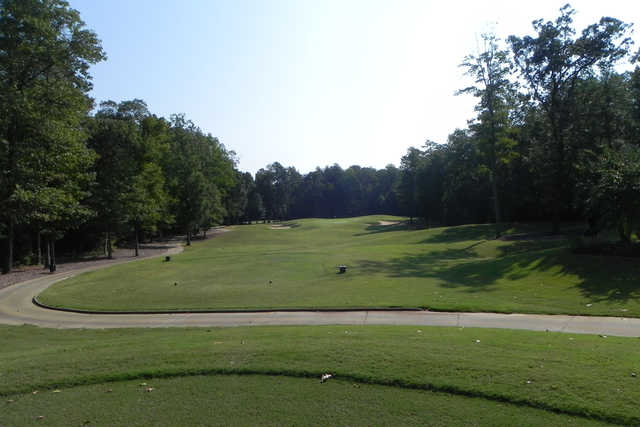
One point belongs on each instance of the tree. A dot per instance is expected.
(277, 186)
(200, 172)
(408, 184)
(238, 198)
(615, 197)
(431, 182)
(466, 188)
(386, 199)
(145, 201)
(255, 209)
(551, 64)
(490, 70)
(115, 139)
(45, 54)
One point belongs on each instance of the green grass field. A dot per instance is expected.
(267, 401)
(456, 268)
(270, 375)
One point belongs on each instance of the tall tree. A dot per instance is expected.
(552, 63)
(490, 70)
(115, 139)
(45, 54)
(199, 174)
(408, 185)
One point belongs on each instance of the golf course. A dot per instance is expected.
(380, 375)
(319, 213)
(293, 265)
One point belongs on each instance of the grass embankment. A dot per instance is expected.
(266, 401)
(578, 375)
(456, 268)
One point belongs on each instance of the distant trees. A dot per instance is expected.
(281, 193)
(560, 148)
(556, 136)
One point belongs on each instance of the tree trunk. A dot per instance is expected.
(137, 242)
(109, 247)
(205, 234)
(496, 206)
(12, 139)
(9, 260)
(188, 238)
(555, 225)
(39, 243)
(52, 265)
(559, 176)
(47, 261)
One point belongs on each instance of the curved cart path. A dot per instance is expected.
(17, 308)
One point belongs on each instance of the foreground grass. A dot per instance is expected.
(455, 268)
(259, 400)
(579, 375)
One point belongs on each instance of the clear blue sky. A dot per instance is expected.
(309, 82)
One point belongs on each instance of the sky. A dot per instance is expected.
(310, 83)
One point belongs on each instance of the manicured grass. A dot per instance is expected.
(266, 401)
(456, 268)
(579, 375)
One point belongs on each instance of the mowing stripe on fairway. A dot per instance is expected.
(446, 390)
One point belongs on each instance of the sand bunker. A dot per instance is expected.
(388, 222)
(279, 227)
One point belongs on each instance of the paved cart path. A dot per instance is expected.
(17, 308)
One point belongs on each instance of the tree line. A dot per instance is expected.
(80, 178)
(555, 138)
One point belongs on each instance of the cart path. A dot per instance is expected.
(17, 308)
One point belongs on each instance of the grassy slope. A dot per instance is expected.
(273, 401)
(576, 374)
(457, 268)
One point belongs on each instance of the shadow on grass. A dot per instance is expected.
(600, 279)
(463, 233)
(290, 224)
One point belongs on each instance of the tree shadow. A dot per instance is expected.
(600, 279)
(463, 233)
(604, 278)
(290, 224)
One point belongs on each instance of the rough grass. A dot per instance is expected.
(578, 375)
(265, 401)
(456, 268)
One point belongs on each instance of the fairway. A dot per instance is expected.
(293, 266)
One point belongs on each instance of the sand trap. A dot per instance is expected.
(388, 222)
(279, 227)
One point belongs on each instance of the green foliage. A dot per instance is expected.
(46, 54)
(491, 71)
(552, 64)
(200, 173)
(615, 197)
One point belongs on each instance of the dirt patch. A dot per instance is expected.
(279, 227)
(388, 222)
(22, 274)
